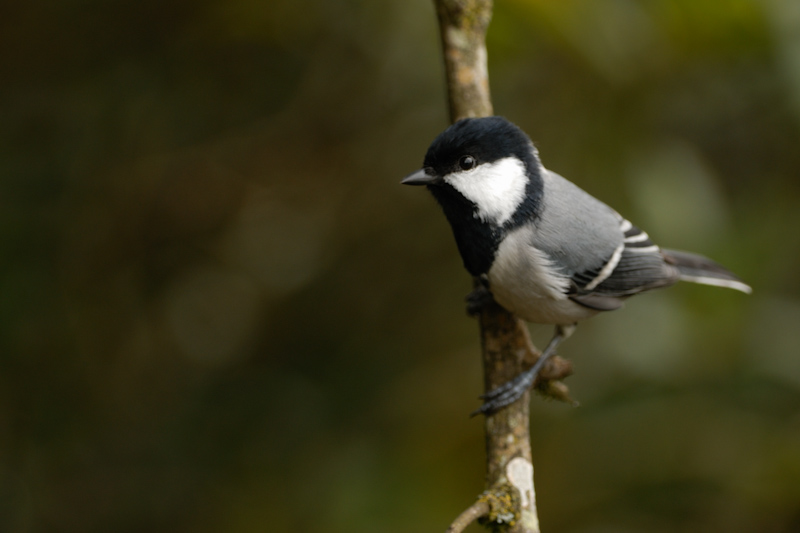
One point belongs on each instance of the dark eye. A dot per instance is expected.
(466, 162)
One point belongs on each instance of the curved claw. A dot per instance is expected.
(479, 298)
(499, 390)
(515, 386)
(507, 393)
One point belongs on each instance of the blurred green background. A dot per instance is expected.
(222, 313)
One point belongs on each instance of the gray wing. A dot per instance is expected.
(576, 230)
(606, 257)
(638, 266)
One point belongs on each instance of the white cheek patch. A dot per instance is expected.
(497, 188)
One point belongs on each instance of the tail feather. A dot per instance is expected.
(699, 269)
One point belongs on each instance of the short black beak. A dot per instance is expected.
(421, 177)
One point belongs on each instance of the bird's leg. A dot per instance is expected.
(512, 390)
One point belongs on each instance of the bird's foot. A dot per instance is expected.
(479, 298)
(507, 393)
(512, 390)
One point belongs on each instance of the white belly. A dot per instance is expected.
(540, 310)
(523, 281)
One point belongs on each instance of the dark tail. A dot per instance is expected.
(699, 269)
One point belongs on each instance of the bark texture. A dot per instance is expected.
(505, 341)
(463, 25)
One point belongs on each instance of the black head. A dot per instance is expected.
(484, 140)
(486, 175)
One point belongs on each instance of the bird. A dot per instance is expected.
(547, 251)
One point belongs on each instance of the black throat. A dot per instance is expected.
(476, 239)
(486, 140)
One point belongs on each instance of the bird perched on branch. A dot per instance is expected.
(548, 251)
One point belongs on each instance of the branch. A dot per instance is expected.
(463, 25)
(506, 344)
(477, 510)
